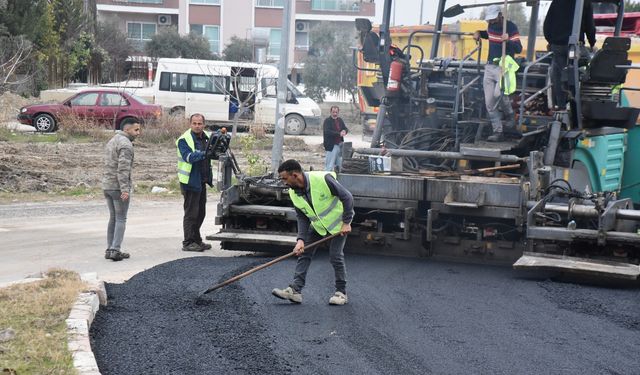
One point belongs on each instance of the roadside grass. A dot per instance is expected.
(36, 312)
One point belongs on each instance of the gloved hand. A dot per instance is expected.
(197, 155)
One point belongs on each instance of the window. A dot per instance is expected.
(207, 84)
(269, 88)
(85, 99)
(270, 3)
(112, 100)
(302, 40)
(173, 82)
(274, 42)
(206, 2)
(211, 33)
(140, 31)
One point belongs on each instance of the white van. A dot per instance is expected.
(207, 86)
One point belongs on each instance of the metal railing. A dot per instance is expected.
(523, 102)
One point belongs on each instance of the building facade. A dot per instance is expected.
(259, 21)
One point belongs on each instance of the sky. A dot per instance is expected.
(407, 12)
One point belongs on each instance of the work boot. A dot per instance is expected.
(205, 246)
(194, 246)
(496, 137)
(288, 293)
(116, 255)
(338, 298)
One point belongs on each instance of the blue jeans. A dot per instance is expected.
(117, 218)
(334, 159)
(336, 254)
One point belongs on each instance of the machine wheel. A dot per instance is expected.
(45, 123)
(294, 124)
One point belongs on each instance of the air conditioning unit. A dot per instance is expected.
(302, 26)
(164, 19)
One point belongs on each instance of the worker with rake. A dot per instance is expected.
(324, 208)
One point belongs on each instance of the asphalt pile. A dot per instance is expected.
(158, 322)
(404, 316)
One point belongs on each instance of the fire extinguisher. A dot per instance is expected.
(395, 76)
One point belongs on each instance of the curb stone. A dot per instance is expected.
(78, 323)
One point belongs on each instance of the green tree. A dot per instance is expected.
(631, 6)
(70, 20)
(32, 21)
(168, 43)
(117, 48)
(238, 50)
(328, 67)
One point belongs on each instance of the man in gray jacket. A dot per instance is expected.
(116, 184)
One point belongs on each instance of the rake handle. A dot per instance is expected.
(270, 263)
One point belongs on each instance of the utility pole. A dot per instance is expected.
(421, 9)
(283, 66)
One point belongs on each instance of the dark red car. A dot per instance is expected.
(111, 108)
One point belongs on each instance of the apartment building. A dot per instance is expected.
(259, 21)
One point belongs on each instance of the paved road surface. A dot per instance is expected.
(405, 316)
(37, 236)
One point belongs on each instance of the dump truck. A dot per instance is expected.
(563, 197)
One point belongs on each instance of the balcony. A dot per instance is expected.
(336, 5)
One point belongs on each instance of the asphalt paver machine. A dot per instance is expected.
(559, 195)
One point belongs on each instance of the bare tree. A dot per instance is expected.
(15, 54)
(241, 89)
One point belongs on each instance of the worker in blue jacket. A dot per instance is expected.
(194, 173)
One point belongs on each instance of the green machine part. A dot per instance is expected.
(604, 159)
(631, 178)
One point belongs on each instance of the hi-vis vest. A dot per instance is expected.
(510, 69)
(184, 168)
(326, 214)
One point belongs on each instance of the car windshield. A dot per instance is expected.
(295, 90)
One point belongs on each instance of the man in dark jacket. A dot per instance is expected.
(496, 102)
(333, 131)
(194, 172)
(558, 25)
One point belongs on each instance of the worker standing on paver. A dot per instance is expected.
(117, 187)
(497, 103)
(323, 207)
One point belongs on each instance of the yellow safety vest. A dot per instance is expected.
(326, 214)
(184, 168)
(510, 69)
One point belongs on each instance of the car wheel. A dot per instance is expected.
(294, 124)
(44, 123)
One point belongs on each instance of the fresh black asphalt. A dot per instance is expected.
(404, 316)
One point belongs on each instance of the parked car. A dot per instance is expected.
(109, 108)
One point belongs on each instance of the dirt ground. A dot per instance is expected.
(70, 168)
(63, 167)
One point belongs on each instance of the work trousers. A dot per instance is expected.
(195, 204)
(336, 255)
(558, 63)
(333, 161)
(117, 218)
(497, 103)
